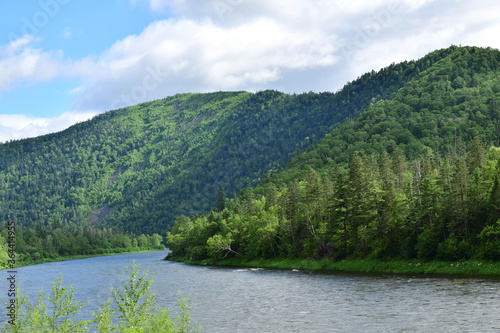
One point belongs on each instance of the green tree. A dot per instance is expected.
(271, 197)
(399, 167)
(357, 187)
(460, 223)
(476, 157)
(221, 200)
(340, 208)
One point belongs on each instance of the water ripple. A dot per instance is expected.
(260, 300)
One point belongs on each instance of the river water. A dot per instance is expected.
(261, 300)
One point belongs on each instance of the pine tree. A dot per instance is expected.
(459, 199)
(221, 200)
(428, 161)
(292, 226)
(271, 197)
(476, 157)
(250, 202)
(326, 200)
(312, 193)
(340, 208)
(388, 184)
(374, 200)
(293, 201)
(430, 206)
(494, 203)
(477, 201)
(356, 198)
(400, 168)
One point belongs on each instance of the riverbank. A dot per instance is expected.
(77, 256)
(473, 268)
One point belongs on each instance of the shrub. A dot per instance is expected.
(137, 311)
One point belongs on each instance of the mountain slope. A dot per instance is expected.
(138, 168)
(453, 100)
(355, 194)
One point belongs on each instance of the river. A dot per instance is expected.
(261, 300)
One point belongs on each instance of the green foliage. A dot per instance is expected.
(427, 244)
(140, 167)
(132, 298)
(439, 211)
(408, 178)
(51, 313)
(404, 171)
(426, 113)
(4, 254)
(137, 311)
(221, 200)
(38, 244)
(490, 241)
(392, 266)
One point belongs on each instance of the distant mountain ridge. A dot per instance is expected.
(138, 168)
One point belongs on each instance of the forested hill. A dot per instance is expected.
(138, 168)
(417, 175)
(449, 103)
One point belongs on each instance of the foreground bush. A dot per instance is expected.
(133, 309)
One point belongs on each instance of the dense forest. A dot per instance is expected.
(138, 168)
(400, 162)
(417, 175)
(36, 243)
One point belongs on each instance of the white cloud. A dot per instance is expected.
(295, 12)
(21, 126)
(158, 4)
(19, 60)
(413, 29)
(254, 45)
(289, 45)
(189, 55)
(260, 44)
(67, 33)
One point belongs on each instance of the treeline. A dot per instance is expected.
(436, 207)
(36, 243)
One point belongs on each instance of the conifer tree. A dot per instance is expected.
(340, 208)
(374, 200)
(271, 197)
(357, 194)
(221, 200)
(250, 202)
(312, 193)
(399, 167)
(388, 184)
(476, 157)
(429, 207)
(459, 198)
(494, 201)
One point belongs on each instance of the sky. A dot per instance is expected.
(65, 61)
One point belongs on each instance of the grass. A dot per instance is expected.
(476, 268)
